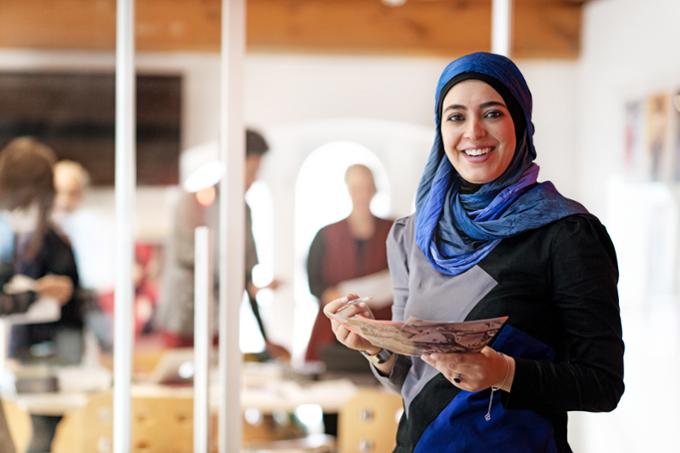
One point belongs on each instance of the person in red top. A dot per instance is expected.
(351, 248)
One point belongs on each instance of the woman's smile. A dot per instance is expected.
(477, 154)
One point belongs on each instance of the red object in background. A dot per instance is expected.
(145, 275)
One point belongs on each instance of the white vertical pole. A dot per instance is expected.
(4, 341)
(202, 337)
(501, 34)
(125, 188)
(232, 223)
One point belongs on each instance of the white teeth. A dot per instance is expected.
(476, 151)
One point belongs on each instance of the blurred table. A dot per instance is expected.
(264, 387)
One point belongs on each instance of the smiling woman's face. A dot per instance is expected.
(477, 131)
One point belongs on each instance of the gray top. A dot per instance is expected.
(176, 298)
(422, 292)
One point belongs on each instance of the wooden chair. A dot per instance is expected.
(164, 424)
(19, 424)
(267, 434)
(159, 425)
(368, 422)
(312, 443)
(143, 361)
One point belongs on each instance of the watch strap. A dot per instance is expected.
(379, 358)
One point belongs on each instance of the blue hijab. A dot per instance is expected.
(454, 230)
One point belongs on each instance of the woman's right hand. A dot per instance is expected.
(342, 333)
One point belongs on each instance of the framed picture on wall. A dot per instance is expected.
(634, 155)
(657, 119)
(675, 134)
(74, 113)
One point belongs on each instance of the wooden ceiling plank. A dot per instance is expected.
(367, 26)
(547, 29)
(70, 24)
(542, 28)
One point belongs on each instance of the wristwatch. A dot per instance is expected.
(378, 358)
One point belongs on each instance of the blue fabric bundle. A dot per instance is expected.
(455, 231)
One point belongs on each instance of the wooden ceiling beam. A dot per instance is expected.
(542, 28)
(547, 29)
(418, 27)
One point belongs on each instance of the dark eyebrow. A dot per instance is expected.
(483, 105)
(492, 104)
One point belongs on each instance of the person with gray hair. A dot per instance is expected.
(85, 228)
(70, 181)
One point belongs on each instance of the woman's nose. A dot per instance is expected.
(474, 129)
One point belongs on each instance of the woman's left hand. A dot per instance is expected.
(471, 371)
(59, 287)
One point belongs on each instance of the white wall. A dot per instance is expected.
(630, 50)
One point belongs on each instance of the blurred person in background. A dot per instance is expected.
(344, 253)
(176, 309)
(37, 249)
(85, 229)
(256, 148)
(70, 182)
(89, 236)
(31, 247)
(346, 250)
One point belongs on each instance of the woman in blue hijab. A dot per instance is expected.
(488, 240)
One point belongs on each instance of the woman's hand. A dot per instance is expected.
(253, 289)
(329, 295)
(474, 371)
(342, 333)
(275, 284)
(59, 287)
(277, 351)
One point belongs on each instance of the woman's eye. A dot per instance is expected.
(455, 117)
(493, 114)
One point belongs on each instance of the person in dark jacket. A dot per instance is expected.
(35, 248)
(36, 261)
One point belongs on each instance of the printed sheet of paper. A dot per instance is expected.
(45, 309)
(415, 337)
(18, 284)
